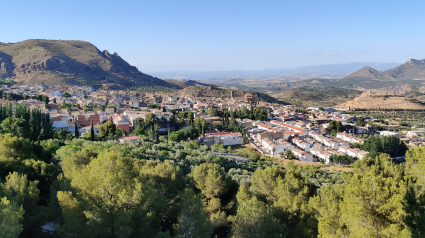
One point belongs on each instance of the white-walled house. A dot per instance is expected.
(343, 149)
(60, 121)
(362, 154)
(353, 152)
(411, 134)
(315, 151)
(390, 133)
(324, 156)
(330, 143)
(233, 139)
(274, 149)
(226, 138)
(301, 144)
(285, 144)
(302, 155)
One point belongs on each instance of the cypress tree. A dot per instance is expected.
(9, 111)
(36, 123)
(47, 131)
(169, 131)
(92, 132)
(77, 133)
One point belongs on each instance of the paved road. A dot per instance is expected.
(237, 158)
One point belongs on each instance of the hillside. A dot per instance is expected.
(317, 96)
(199, 90)
(184, 84)
(375, 101)
(204, 91)
(367, 72)
(57, 62)
(413, 69)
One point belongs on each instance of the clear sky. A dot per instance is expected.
(203, 35)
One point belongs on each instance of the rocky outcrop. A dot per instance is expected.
(6, 65)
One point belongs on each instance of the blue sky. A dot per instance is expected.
(227, 35)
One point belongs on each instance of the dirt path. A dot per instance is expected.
(237, 158)
(322, 166)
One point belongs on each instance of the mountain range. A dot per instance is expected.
(311, 71)
(58, 62)
(412, 69)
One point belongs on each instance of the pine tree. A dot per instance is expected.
(107, 129)
(125, 210)
(10, 215)
(193, 220)
(25, 193)
(254, 219)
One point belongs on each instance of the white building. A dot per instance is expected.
(390, 133)
(60, 121)
(225, 138)
(302, 155)
(324, 156)
(129, 139)
(410, 134)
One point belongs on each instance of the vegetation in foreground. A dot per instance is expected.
(181, 189)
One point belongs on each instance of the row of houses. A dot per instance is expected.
(349, 138)
(305, 140)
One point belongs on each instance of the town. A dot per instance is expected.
(201, 119)
(278, 130)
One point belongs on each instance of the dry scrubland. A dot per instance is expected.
(367, 100)
(58, 62)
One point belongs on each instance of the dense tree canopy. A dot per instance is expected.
(374, 202)
(260, 114)
(107, 129)
(154, 188)
(10, 216)
(335, 127)
(360, 121)
(385, 144)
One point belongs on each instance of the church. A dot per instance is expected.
(249, 98)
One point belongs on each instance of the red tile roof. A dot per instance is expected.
(267, 127)
(287, 125)
(291, 133)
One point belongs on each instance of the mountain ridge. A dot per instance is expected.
(411, 69)
(57, 62)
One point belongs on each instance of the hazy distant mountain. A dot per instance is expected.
(413, 69)
(57, 62)
(329, 70)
